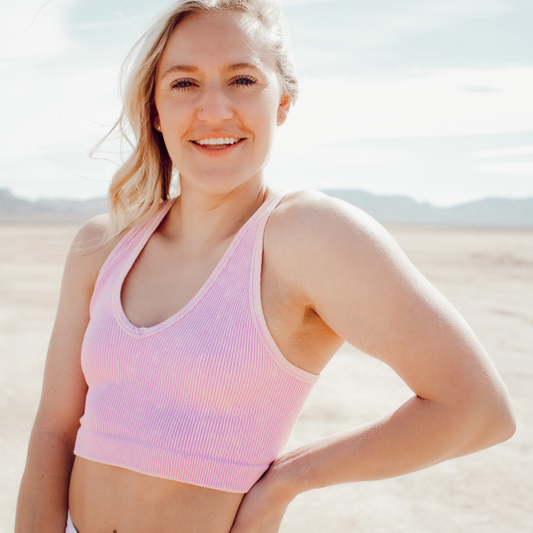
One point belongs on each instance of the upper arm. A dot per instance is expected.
(358, 280)
(64, 389)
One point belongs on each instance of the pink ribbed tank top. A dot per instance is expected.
(205, 397)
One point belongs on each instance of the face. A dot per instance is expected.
(218, 101)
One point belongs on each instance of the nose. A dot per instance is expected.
(215, 106)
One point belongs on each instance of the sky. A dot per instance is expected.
(427, 98)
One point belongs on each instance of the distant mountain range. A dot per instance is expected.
(490, 212)
(13, 209)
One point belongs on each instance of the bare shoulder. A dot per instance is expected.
(316, 213)
(90, 249)
(91, 236)
(342, 263)
(310, 226)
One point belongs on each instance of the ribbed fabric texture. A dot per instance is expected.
(205, 397)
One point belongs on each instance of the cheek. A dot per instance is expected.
(169, 105)
(266, 110)
(172, 111)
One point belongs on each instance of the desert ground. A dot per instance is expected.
(487, 275)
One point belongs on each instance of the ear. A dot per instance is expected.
(156, 122)
(283, 109)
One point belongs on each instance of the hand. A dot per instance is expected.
(263, 507)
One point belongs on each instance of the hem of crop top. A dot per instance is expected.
(184, 468)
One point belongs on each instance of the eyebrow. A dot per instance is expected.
(191, 68)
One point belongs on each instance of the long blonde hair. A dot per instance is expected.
(144, 179)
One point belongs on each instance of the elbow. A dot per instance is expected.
(497, 423)
(483, 419)
(504, 420)
(505, 426)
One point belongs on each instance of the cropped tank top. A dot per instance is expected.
(205, 397)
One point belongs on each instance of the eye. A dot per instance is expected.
(247, 81)
(181, 85)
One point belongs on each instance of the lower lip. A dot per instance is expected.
(214, 151)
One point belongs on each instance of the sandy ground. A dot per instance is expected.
(488, 276)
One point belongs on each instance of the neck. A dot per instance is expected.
(199, 219)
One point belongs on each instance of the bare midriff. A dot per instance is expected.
(106, 498)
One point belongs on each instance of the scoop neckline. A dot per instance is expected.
(141, 332)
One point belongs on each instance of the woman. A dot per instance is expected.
(188, 340)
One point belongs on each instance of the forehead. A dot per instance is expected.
(207, 40)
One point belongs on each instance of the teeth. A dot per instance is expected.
(221, 141)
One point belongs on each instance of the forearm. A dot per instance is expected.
(43, 497)
(419, 434)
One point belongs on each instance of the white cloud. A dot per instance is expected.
(502, 152)
(524, 168)
(302, 2)
(335, 109)
(507, 168)
(438, 176)
(427, 15)
(33, 30)
(378, 25)
(352, 133)
(51, 117)
(436, 11)
(58, 109)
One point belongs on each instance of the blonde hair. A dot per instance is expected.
(144, 179)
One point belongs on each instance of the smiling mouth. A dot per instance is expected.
(221, 142)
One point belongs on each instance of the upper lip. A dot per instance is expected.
(221, 135)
